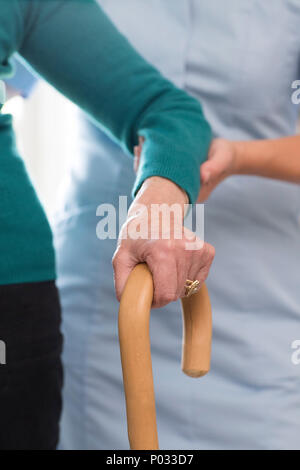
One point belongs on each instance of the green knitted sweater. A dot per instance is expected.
(73, 45)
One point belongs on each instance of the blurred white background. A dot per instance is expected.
(45, 125)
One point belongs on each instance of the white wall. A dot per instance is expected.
(45, 125)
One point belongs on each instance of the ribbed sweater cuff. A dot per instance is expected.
(175, 165)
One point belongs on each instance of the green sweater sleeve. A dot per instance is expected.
(74, 46)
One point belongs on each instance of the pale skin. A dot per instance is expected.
(270, 158)
(170, 263)
(168, 260)
(274, 158)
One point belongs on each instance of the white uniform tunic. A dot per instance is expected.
(239, 57)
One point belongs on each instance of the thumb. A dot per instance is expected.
(123, 264)
(137, 156)
(207, 171)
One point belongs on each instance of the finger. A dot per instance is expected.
(183, 262)
(182, 276)
(201, 263)
(205, 191)
(164, 280)
(186, 260)
(205, 175)
(208, 171)
(123, 264)
(141, 140)
(136, 158)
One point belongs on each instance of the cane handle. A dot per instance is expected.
(134, 316)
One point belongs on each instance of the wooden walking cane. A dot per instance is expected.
(134, 316)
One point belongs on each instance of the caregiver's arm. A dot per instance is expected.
(271, 158)
(75, 47)
(278, 158)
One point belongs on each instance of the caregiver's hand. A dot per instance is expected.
(167, 256)
(222, 162)
(269, 158)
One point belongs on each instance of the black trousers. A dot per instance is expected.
(30, 366)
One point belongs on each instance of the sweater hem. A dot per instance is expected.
(41, 276)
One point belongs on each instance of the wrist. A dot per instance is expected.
(158, 209)
(239, 155)
(158, 190)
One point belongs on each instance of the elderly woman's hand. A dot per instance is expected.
(172, 253)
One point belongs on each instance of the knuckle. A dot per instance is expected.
(119, 259)
(162, 250)
(164, 296)
(171, 297)
(167, 298)
(169, 246)
(118, 294)
(212, 252)
(114, 260)
(209, 252)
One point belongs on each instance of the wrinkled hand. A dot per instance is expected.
(221, 163)
(167, 257)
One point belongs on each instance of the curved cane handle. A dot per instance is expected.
(134, 316)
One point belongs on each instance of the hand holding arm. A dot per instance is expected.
(274, 158)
